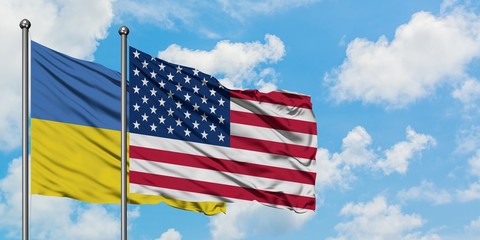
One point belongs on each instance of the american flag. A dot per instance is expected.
(193, 139)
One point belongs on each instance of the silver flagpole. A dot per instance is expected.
(123, 31)
(25, 26)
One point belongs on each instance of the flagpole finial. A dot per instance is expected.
(26, 24)
(123, 30)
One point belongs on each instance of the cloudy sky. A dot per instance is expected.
(395, 87)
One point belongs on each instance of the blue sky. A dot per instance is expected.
(395, 89)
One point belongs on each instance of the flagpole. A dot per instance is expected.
(25, 26)
(123, 31)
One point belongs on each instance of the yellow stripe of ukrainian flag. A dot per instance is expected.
(83, 163)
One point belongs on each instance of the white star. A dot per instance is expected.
(162, 67)
(136, 125)
(136, 89)
(212, 109)
(179, 69)
(196, 124)
(153, 92)
(153, 110)
(136, 107)
(187, 132)
(195, 72)
(187, 97)
(161, 102)
(204, 117)
(196, 89)
(145, 117)
(179, 122)
(179, 104)
(153, 74)
(212, 92)
(170, 112)
(204, 99)
(221, 119)
(204, 81)
(136, 72)
(136, 54)
(221, 137)
(144, 64)
(220, 86)
(161, 119)
(152, 58)
(204, 135)
(170, 94)
(170, 77)
(144, 82)
(179, 87)
(161, 84)
(195, 107)
(145, 99)
(212, 127)
(170, 130)
(187, 115)
(153, 127)
(187, 79)
(221, 102)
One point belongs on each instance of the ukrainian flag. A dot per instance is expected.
(75, 132)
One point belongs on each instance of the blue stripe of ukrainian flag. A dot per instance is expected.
(75, 132)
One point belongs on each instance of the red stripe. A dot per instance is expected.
(279, 123)
(283, 98)
(217, 164)
(217, 189)
(265, 146)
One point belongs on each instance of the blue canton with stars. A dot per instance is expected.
(178, 102)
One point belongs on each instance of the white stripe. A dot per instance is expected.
(227, 178)
(195, 197)
(177, 194)
(221, 152)
(271, 109)
(269, 134)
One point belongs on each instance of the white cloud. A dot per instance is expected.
(337, 168)
(134, 213)
(425, 191)
(61, 25)
(468, 93)
(474, 163)
(468, 140)
(243, 9)
(378, 220)
(411, 66)
(357, 152)
(11, 196)
(472, 193)
(73, 221)
(473, 226)
(52, 217)
(420, 236)
(251, 218)
(448, 5)
(161, 12)
(170, 234)
(398, 157)
(197, 16)
(332, 171)
(239, 70)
